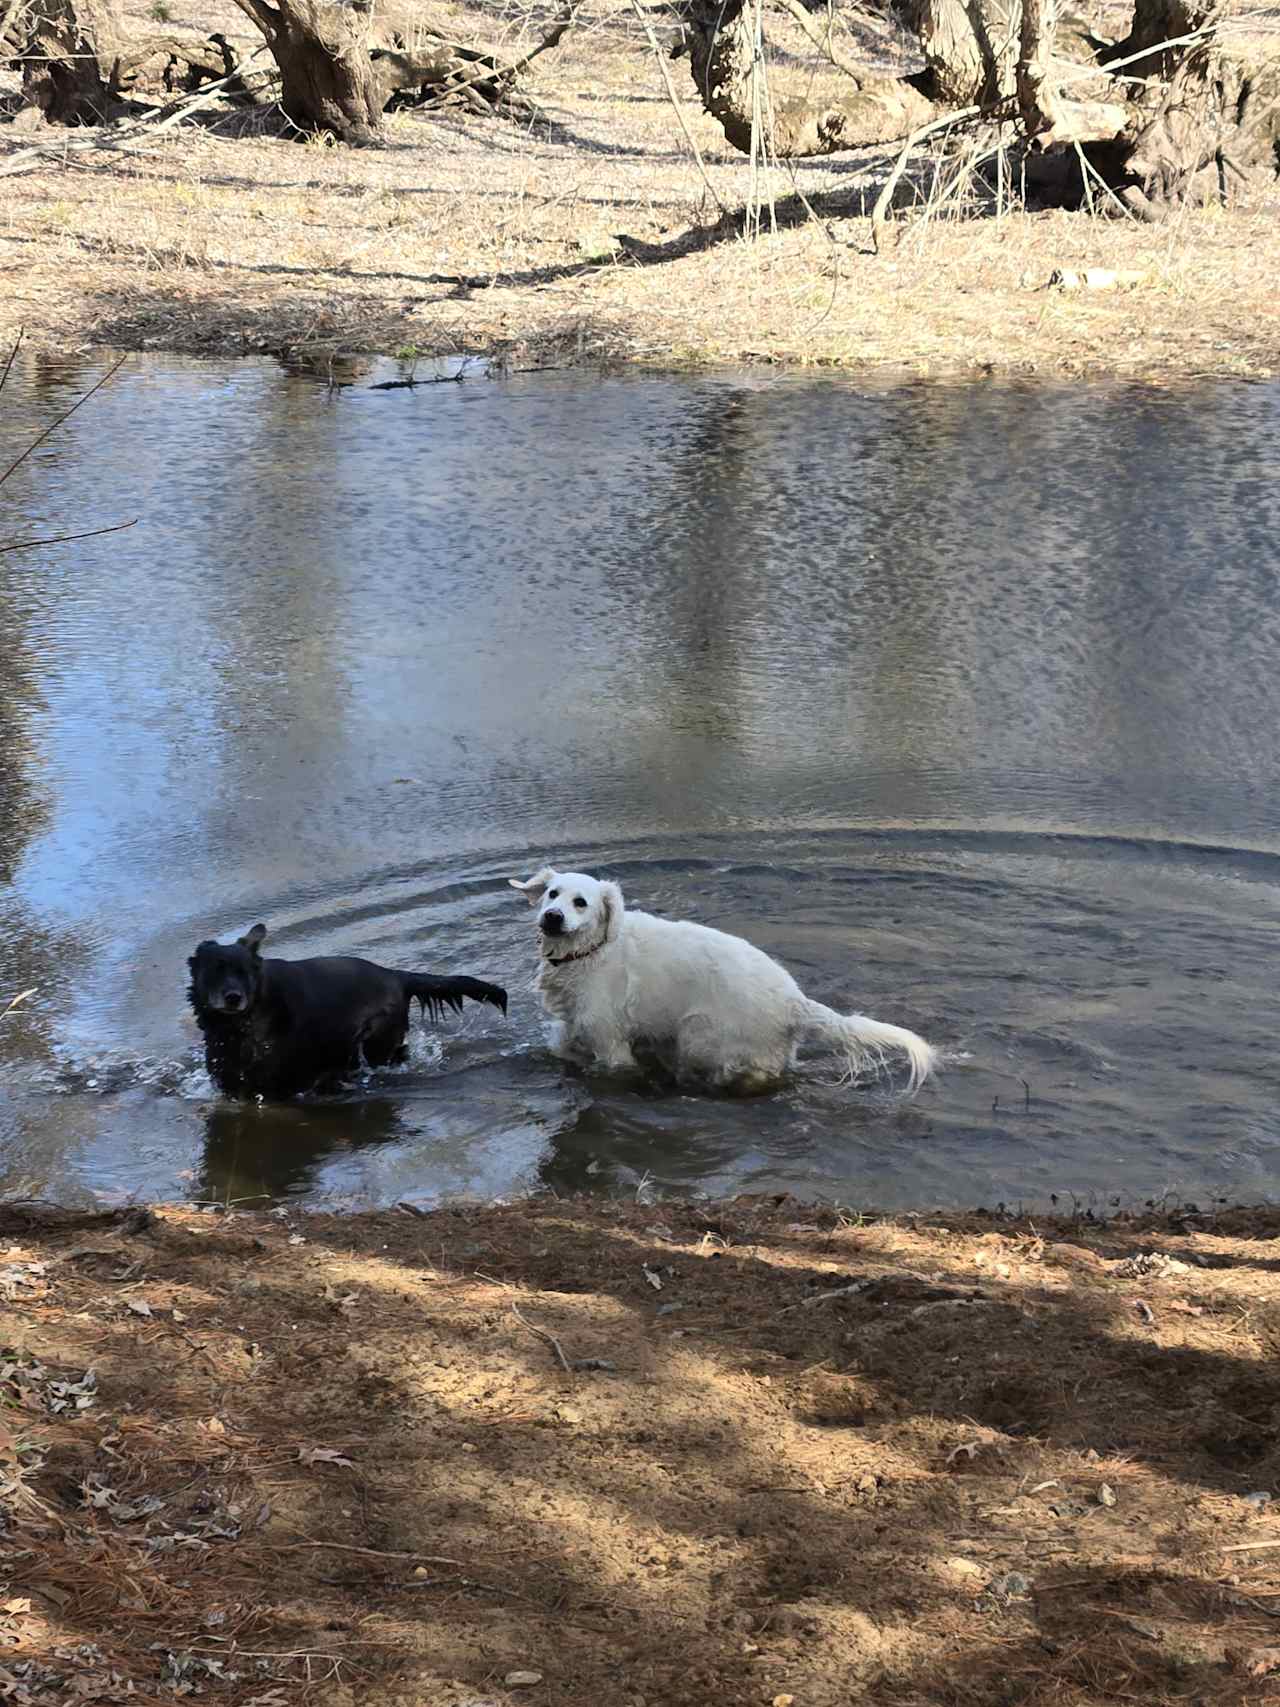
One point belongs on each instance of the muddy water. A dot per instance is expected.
(964, 702)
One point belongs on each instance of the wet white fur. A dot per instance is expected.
(729, 1015)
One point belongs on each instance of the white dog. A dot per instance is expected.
(728, 1014)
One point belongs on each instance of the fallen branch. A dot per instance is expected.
(364, 1552)
(542, 1334)
(823, 1297)
(150, 124)
(401, 71)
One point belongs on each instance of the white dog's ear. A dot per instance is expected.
(611, 904)
(532, 887)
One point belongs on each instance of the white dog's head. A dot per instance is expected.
(576, 914)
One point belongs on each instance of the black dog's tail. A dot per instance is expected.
(438, 993)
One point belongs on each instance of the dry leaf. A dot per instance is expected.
(139, 1306)
(968, 1447)
(324, 1455)
(15, 1606)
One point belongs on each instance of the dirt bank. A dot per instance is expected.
(744, 1453)
(596, 237)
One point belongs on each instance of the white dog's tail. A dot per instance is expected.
(863, 1041)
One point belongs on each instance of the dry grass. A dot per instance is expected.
(596, 236)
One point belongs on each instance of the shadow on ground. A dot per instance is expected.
(654, 1454)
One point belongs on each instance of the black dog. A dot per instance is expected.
(275, 1028)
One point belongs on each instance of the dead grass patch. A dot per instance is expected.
(596, 234)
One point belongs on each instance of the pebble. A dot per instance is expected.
(522, 1679)
(1106, 1495)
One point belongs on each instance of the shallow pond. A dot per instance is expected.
(962, 701)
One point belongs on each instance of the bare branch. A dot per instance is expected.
(65, 416)
(63, 538)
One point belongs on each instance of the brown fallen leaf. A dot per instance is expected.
(969, 1448)
(324, 1455)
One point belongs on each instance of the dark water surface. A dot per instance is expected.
(964, 702)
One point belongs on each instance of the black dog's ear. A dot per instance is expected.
(200, 949)
(252, 940)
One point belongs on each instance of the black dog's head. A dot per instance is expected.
(226, 978)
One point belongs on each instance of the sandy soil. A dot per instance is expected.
(596, 236)
(608, 1455)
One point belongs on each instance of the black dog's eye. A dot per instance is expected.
(578, 901)
(553, 895)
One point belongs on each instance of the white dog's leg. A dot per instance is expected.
(607, 1051)
(705, 1058)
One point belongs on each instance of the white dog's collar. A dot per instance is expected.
(583, 954)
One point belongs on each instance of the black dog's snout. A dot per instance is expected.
(233, 999)
(553, 922)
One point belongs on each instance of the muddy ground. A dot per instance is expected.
(593, 1454)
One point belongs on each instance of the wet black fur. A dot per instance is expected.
(276, 1028)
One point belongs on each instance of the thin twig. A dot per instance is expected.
(822, 1297)
(880, 211)
(97, 386)
(542, 1334)
(63, 538)
(364, 1552)
(675, 103)
(12, 1004)
(1249, 1546)
(13, 356)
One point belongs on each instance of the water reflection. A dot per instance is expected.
(254, 1154)
(833, 669)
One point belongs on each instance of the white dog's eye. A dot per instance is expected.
(578, 901)
(553, 894)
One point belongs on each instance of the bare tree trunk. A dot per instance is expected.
(722, 57)
(71, 52)
(1158, 21)
(969, 47)
(328, 82)
(1037, 103)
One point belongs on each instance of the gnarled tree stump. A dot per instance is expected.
(70, 53)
